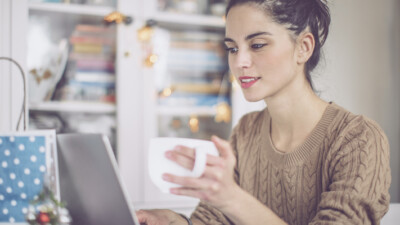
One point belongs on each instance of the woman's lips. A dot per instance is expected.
(247, 82)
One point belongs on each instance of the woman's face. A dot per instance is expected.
(262, 54)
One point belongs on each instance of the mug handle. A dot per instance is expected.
(200, 161)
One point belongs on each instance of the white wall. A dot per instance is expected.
(13, 24)
(361, 68)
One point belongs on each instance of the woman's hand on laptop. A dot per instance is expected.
(216, 185)
(160, 217)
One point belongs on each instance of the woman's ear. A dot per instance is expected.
(305, 44)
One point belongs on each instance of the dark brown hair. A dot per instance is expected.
(297, 15)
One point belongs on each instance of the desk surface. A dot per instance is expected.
(392, 217)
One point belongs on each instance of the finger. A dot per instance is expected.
(180, 159)
(214, 161)
(213, 173)
(188, 162)
(196, 193)
(188, 182)
(191, 154)
(223, 146)
(188, 192)
(141, 215)
(186, 151)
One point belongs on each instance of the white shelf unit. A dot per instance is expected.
(74, 107)
(59, 21)
(79, 12)
(187, 111)
(179, 21)
(133, 91)
(77, 9)
(157, 115)
(204, 21)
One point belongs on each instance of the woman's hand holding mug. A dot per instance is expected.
(216, 185)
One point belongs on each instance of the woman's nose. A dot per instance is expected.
(243, 59)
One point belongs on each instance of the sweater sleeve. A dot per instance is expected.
(207, 214)
(359, 177)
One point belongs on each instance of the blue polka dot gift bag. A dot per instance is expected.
(27, 159)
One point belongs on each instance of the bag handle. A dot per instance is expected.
(23, 108)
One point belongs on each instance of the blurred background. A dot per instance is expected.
(135, 69)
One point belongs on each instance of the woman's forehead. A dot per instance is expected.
(246, 19)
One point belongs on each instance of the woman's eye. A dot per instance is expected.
(232, 50)
(257, 46)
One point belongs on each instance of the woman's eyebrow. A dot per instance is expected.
(248, 37)
(228, 39)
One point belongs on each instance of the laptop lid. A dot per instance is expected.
(90, 184)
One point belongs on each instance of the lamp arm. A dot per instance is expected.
(23, 108)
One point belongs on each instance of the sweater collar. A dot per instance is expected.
(302, 152)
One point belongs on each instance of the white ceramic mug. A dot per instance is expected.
(159, 164)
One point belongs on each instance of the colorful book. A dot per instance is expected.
(88, 28)
(76, 56)
(93, 48)
(94, 76)
(85, 39)
(96, 65)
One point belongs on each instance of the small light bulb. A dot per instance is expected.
(166, 92)
(194, 124)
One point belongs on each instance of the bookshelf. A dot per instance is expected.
(82, 96)
(70, 16)
(193, 80)
(137, 111)
(187, 85)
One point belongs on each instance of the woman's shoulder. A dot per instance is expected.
(346, 122)
(349, 129)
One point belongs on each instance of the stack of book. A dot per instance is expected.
(199, 51)
(91, 68)
(196, 67)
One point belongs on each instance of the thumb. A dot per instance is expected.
(141, 216)
(223, 147)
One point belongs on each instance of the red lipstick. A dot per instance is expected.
(247, 82)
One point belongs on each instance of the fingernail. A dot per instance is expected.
(177, 147)
(168, 154)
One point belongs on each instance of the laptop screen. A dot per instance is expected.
(90, 184)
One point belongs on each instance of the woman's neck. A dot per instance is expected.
(293, 118)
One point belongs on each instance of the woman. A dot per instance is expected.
(302, 160)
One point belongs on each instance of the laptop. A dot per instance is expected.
(90, 184)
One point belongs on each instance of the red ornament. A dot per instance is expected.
(43, 218)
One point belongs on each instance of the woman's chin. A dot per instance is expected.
(253, 98)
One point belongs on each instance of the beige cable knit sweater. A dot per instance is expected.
(339, 175)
